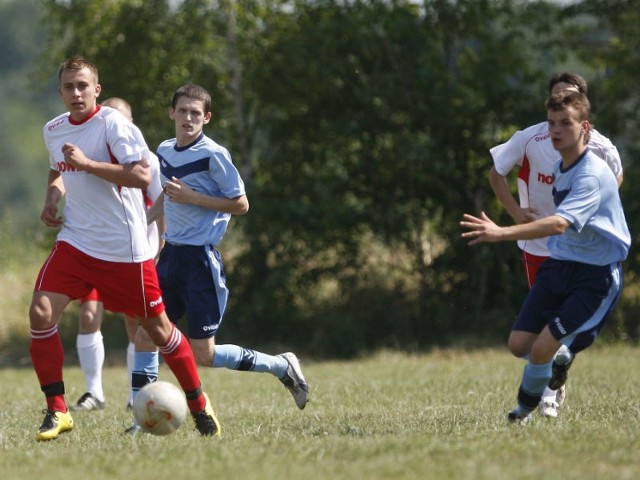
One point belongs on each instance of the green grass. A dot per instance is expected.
(392, 416)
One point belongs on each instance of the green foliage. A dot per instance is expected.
(439, 415)
(362, 131)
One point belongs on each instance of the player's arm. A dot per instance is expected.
(500, 187)
(156, 211)
(483, 229)
(55, 192)
(134, 174)
(179, 192)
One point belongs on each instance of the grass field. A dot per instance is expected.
(439, 415)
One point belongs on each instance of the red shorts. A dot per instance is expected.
(92, 296)
(130, 288)
(531, 263)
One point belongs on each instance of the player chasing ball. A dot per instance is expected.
(98, 163)
(580, 283)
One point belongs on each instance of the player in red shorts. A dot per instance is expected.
(98, 164)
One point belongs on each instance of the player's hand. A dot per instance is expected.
(178, 191)
(481, 229)
(75, 157)
(50, 217)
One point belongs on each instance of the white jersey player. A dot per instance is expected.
(532, 152)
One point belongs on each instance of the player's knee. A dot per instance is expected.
(517, 348)
(40, 316)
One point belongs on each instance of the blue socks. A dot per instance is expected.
(534, 380)
(242, 359)
(145, 370)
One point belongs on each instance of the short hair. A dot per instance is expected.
(570, 78)
(119, 104)
(568, 98)
(195, 92)
(76, 63)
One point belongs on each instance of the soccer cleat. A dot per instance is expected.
(294, 380)
(559, 374)
(518, 418)
(548, 408)
(561, 394)
(133, 430)
(206, 421)
(54, 423)
(87, 403)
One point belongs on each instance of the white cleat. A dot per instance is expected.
(294, 380)
(548, 408)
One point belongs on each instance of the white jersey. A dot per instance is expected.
(151, 194)
(532, 151)
(101, 219)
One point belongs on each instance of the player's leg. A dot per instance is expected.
(47, 356)
(178, 355)
(131, 326)
(60, 273)
(530, 339)
(206, 296)
(146, 361)
(535, 376)
(122, 288)
(90, 348)
(284, 366)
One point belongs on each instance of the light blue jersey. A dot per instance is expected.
(586, 194)
(207, 168)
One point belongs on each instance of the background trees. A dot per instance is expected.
(362, 129)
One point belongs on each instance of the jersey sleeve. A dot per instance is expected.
(125, 139)
(606, 150)
(509, 154)
(226, 175)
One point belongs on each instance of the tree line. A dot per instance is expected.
(362, 130)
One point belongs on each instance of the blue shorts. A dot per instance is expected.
(193, 282)
(573, 299)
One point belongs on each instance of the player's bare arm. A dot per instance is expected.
(134, 175)
(500, 186)
(483, 229)
(55, 192)
(179, 192)
(156, 211)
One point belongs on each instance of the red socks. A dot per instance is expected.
(179, 357)
(47, 356)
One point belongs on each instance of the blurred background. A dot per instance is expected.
(362, 130)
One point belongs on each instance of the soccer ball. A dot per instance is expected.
(160, 408)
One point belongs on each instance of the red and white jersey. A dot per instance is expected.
(101, 219)
(151, 194)
(532, 151)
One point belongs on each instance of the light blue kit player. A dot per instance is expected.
(202, 189)
(579, 285)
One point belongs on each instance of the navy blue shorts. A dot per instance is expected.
(573, 299)
(193, 282)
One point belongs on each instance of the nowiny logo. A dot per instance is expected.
(155, 303)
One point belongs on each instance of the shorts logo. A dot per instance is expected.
(155, 303)
(558, 324)
(208, 328)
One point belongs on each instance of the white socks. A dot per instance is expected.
(91, 355)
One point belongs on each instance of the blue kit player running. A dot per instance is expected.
(202, 189)
(579, 285)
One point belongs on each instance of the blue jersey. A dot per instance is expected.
(207, 168)
(586, 194)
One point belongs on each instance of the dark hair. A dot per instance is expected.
(570, 78)
(568, 98)
(76, 63)
(195, 92)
